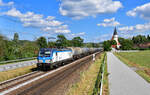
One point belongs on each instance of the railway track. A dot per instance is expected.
(18, 80)
(38, 79)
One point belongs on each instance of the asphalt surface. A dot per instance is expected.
(123, 80)
(17, 65)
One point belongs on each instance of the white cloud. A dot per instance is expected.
(50, 18)
(78, 34)
(137, 28)
(6, 4)
(103, 37)
(30, 19)
(143, 11)
(126, 28)
(78, 9)
(109, 23)
(72, 35)
(62, 31)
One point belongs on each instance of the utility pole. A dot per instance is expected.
(51, 38)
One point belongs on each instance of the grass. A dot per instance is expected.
(144, 75)
(105, 82)
(16, 72)
(88, 78)
(140, 60)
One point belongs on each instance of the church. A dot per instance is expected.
(115, 37)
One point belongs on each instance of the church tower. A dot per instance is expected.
(115, 37)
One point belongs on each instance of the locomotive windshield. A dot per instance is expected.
(45, 53)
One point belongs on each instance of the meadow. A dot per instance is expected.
(141, 58)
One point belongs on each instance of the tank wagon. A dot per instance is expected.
(49, 57)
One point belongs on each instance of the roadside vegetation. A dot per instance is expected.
(90, 80)
(138, 61)
(16, 72)
(87, 80)
(105, 82)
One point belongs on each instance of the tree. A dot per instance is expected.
(16, 38)
(127, 44)
(113, 42)
(148, 37)
(120, 39)
(139, 39)
(10, 51)
(2, 47)
(28, 50)
(77, 42)
(107, 45)
(41, 42)
(89, 45)
(51, 44)
(61, 41)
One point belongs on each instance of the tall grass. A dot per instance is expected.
(105, 83)
(98, 84)
(88, 78)
(16, 72)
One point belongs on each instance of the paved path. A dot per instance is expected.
(123, 80)
(17, 65)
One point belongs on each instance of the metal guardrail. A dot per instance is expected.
(11, 61)
(99, 81)
(102, 77)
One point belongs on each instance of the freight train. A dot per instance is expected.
(52, 57)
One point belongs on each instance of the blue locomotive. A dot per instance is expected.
(49, 57)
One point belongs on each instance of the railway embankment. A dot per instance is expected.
(6, 75)
(90, 79)
(54, 82)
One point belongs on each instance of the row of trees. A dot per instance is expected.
(61, 41)
(128, 44)
(140, 39)
(17, 49)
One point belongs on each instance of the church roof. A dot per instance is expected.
(115, 31)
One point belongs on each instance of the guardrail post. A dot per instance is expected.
(94, 57)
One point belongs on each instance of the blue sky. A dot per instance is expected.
(93, 20)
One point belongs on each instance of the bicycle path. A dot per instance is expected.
(123, 80)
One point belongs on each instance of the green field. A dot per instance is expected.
(140, 60)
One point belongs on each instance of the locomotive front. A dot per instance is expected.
(44, 58)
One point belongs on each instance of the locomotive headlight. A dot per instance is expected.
(40, 61)
(47, 61)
